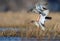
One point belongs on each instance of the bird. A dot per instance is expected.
(43, 11)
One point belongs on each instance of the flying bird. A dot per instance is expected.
(43, 11)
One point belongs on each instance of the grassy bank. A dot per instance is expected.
(22, 20)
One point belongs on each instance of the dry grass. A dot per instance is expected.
(16, 18)
(22, 20)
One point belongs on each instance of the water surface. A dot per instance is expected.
(25, 39)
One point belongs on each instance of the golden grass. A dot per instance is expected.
(16, 19)
(28, 29)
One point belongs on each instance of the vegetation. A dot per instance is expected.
(22, 20)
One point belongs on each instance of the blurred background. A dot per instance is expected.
(17, 5)
(19, 23)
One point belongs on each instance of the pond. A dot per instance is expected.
(25, 39)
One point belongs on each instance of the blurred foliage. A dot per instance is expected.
(15, 5)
